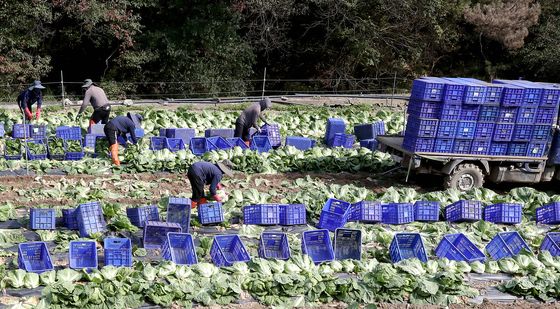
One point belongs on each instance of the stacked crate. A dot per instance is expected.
(469, 116)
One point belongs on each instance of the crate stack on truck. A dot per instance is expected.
(470, 116)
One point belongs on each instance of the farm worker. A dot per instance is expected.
(249, 117)
(30, 96)
(206, 173)
(120, 126)
(98, 100)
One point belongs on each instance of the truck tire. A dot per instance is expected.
(464, 177)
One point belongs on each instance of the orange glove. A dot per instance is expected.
(28, 114)
(38, 113)
(219, 186)
(217, 198)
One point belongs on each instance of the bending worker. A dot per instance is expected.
(206, 173)
(120, 126)
(249, 117)
(30, 96)
(96, 96)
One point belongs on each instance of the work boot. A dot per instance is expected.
(114, 149)
(193, 204)
(248, 143)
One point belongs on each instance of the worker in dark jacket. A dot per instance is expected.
(206, 173)
(30, 96)
(98, 100)
(249, 118)
(120, 126)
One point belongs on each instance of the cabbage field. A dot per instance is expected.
(284, 175)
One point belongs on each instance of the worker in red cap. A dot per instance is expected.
(30, 96)
(206, 173)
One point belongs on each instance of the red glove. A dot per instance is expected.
(220, 186)
(28, 114)
(217, 198)
(38, 114)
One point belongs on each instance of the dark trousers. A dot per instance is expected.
(111, 133)
(101, 114)
(241, 130)
(197, 185)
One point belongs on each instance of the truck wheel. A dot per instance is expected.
(465, 177)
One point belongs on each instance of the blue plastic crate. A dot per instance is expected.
(507, 114)
(210, 213)
(317, 245)
(428, 89)
(537, 149)
(417, 108)
(418, 144)
(522, 133)
(334, 126)
(453, 92)
(550, 95)
(447, 129)
(465, 130)
(219, 143)
(347, 244)
(70, 219)
(366, 211)
(450, 112)
(179, 248)
(546, 115)
(223, 132)
(462, 146)
(443, 145)
(69, 133)
(480, 147)
(506, 245)
(397, 213)
(426, 211)
(370, 130)
(261, 214)
(176, 144)
(488, 113)
(237, 142)
(228, 249)
(335, 214)
(117, 252)
(34, 257)
(179, 211)
(469, 112)
(292, 214)
(549, 213)
(139, 215)
(542, 133)
(504, 213)
(301, 143)
(464, 211)
(418, 127)
(90, 219)
(531, 93)
(458, 247)
(82, 254)
(158, 143)
(407, 246)
(503, 132)
(73, 156)
(2, 130)
(474, 93)
(198, 145)
(186, 134)
(498, 148)
(97, 129)
(517, 149)
(343, 140)
(272, 131)
(38, 156)
(551, 243)
(493, 95)
(39, 131)
(155, 233)
(90, 140)
(21, 131)
(512, 96)
(51, 155)
(42, 219)
(274, 245)
(371, 144)
(260, 144)
(526, 114)
(12, 157)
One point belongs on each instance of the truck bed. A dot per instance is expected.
(395, 142)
